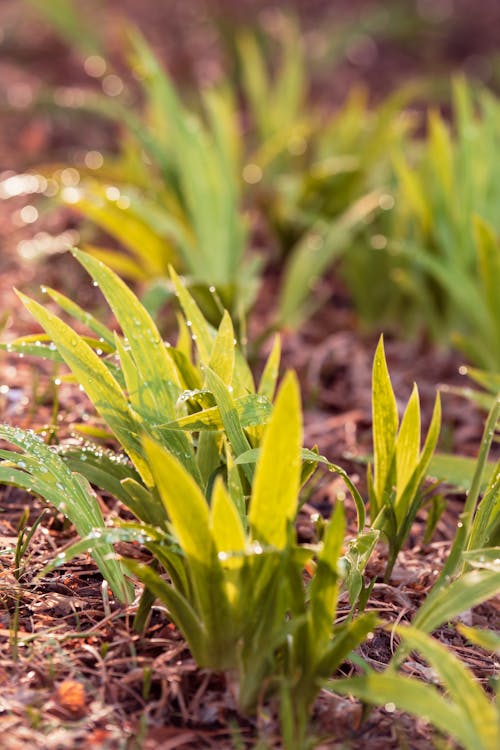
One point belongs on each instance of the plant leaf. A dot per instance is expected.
(276, 485)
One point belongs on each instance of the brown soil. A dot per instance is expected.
(74, 674)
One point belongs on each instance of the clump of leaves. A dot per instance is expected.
(178, 189)
(221, 529)
(400, 466)
(182, 206)
(235, 586)
(141, 386)
(439, 246)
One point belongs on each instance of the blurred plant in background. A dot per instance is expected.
(184, 177)
(436, 260)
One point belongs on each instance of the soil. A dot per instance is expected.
(74, 674)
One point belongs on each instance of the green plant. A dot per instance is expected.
(235, 587)
(441, 253)
(73, 25)
(314, 650)
(465, 712)
(228, 593)
(182, 205)
(316, 177)
(452, 712)
(477, 529)
(177, 190)
(157, 389)
(185, 205)
(39, 470)
(399, 465)
(214, 483)
(24, 537)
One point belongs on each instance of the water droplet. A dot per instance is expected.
(94, 66)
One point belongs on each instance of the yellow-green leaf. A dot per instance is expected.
(277, 476)
(408, 443)
(222, 357)
(184, 502)
(227, 530)
(385, 421)
(95, 378)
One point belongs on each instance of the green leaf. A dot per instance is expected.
(124, 225)
(385, 422)
(314, 253)
(252, 410)
(486, 559)
(408, 443)
(311, 457)
(346, 638)
(409, 695)
(413, 191)
(275, 490)
(227, 529)
(441, 152)
(95, 378)
(269, 378)
(487, 515)
(73, 24)
(157, 373)
(466, 592)
(460, 684)
(486, 639)
(204, 333)
(222, 356)
(488, 252)
(229, 416)
(40, 470)
(102, 468)
(325, 583)
(457, 470)
(184, 502)
(82, 315)
(181, 611)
